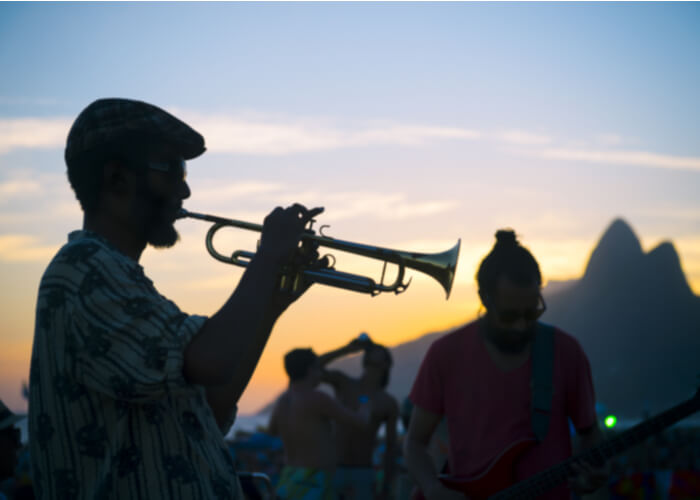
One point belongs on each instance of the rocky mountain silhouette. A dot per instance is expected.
(638, 321)
(634, 314)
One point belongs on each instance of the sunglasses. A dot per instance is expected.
(175, 168)
(510, 316)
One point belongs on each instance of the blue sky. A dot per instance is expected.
(414, 124)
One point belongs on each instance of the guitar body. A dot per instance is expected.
(499, 475)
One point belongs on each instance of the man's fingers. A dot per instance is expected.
(315, 211)
(303, 213)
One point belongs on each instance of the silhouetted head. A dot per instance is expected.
(133, 152)
(509, 282)
(302, 364)
(378, 358)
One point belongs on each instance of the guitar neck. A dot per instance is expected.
(548, 479)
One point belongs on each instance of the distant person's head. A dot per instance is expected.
(302, 364)
(126, 160)
(9, 442)
(377, 358)
(509, 282)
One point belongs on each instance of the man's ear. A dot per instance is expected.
(115, 178)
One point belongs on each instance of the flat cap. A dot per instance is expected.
(106, 124)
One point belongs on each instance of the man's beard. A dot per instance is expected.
(501, 338)
(157, 227)
(162, 234)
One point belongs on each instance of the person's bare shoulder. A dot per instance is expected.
(282, 400)
(385, 405)
(319, 405)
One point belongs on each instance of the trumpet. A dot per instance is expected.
(440, 266)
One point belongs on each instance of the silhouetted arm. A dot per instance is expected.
(420, 466)
(355, 345)
(589, 477)
(335, 377)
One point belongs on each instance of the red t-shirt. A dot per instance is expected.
(488, 409)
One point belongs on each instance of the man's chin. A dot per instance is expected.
(163, 237)
(513, 344)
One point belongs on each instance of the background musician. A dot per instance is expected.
(478, 378)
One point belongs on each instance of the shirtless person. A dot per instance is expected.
(354, 476)
(303, 417)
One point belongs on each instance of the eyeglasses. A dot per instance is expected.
(510, 316)
(176, 167)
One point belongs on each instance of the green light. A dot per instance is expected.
(610, 421)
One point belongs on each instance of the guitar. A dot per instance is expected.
(496, 483)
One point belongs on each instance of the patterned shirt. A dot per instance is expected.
(110, 413)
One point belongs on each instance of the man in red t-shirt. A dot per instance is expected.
(478, 378)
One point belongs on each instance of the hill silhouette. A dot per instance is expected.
(638, 321)
(634, 314)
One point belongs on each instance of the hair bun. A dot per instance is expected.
(506, 237)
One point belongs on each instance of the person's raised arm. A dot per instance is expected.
(335, 377)
(355, 345)
(418, 462)
(226, 349)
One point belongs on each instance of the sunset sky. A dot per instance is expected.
(413, 124)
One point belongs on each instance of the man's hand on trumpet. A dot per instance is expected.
(279, 242)
(282, 230)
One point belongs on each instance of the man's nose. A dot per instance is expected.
(185, 190)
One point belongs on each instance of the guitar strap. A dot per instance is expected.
(541, 382)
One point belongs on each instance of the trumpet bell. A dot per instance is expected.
(441, 266)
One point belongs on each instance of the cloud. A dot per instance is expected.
(24, 248)
(609, 139)
(387, 206)
(409, 135)
(255, 135)
(524, 138)
(279, 136)
(635, 158)
(274, 135)
(345, 204)
(33, 133)
(20, 188)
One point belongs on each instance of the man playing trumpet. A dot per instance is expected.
(129, 396)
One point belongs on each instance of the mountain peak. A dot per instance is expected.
(619, 234)
(664, 258)
(616, 249)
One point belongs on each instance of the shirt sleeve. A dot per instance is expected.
(427, 392)
(125, 339)
(580, 397)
